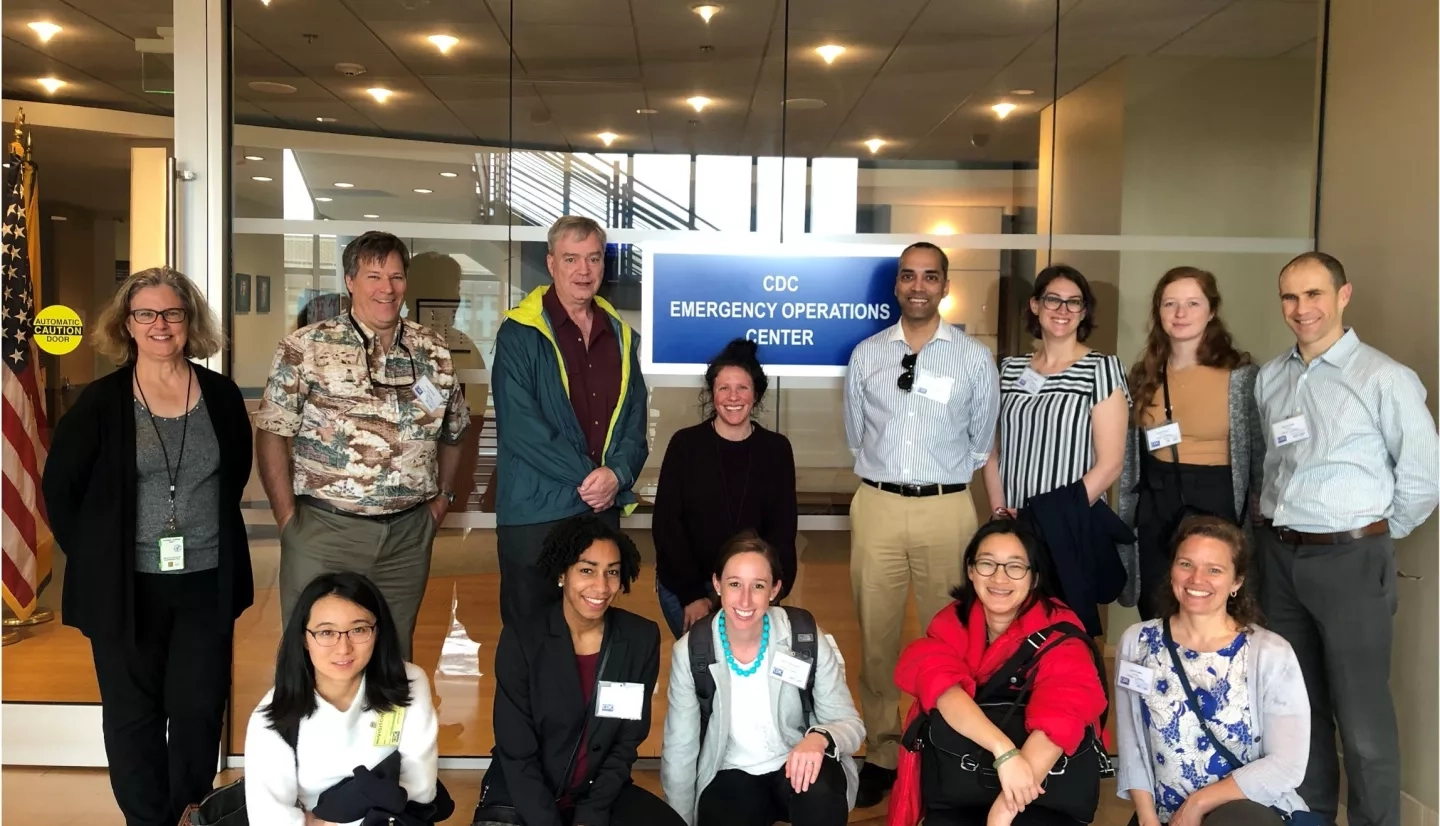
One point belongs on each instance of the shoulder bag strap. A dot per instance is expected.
(1194, 703)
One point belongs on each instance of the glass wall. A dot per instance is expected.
(1121, 136)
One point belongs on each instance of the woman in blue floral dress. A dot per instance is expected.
(1207, 657)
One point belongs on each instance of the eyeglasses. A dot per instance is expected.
(907, 378)
(174, 315)
(988, 567)
(329, 637)
(1053, 303)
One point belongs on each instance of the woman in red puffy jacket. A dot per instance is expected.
(1006, 597)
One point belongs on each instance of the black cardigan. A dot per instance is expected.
(699, 507)
(90, 484)
(540, 713)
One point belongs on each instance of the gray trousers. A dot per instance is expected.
(394, 555)
(1336, 604)
(524, 590)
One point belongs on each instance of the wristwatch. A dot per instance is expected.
(449, 496)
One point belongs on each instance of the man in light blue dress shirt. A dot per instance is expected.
(1351, 467)
(921, 400)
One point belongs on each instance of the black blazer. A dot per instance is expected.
(90, 486)
(539, 717)
(1083, 540)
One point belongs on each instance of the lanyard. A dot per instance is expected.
(385, 357)
(170, 523)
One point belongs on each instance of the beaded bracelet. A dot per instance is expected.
(999, 761)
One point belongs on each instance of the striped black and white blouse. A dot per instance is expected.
(1046, 436)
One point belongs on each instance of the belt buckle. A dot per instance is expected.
(910, 490)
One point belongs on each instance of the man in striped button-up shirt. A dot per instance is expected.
(920, 405)
(1350, 467)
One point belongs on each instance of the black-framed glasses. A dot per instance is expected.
(988, 567)
(330, 637)
(174, 315)
(1053, 303)
(907, 378)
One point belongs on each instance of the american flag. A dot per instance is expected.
(25, 566)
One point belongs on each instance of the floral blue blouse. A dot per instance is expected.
(1186, 759)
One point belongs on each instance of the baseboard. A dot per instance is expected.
(46, 734)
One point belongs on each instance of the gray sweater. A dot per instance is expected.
(1281, 725)
(687, 766)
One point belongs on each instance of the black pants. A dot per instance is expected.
(177, 673)
(737, 798)
(1236, 813)
(524, 591)
(1165, 489)
(1335, 605)
(1033, 815)
(634, 806)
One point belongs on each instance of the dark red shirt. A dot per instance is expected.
(587, 664)
(593, 369)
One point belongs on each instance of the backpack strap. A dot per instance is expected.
(805, 643)
(1016, 670)
(701, 644)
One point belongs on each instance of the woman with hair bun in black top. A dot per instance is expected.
(719, 478)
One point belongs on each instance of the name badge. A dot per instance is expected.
(1290, 430)
(428, 395)
(622, 701)
(387, 728)
(790, 669)
(172, 553)
(1163, 436)
(1136, 678)
(1031, 382)
(933, 387)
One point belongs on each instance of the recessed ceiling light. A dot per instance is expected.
(449, 175)
(830, 51)
(324, 200)
(875, 144)
(1022, 92)
(343, 185)
(261, 178)
(443, 42)
(1003, 110)
(253, 158)
(45, 30)
(647, 111)
(380, 94)
(804, 103)
(699, 102)
(607, 138)
(422, 191)
(51, 84)
(371, 215)
(706, 10)
(324, 120)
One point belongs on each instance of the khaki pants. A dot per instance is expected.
(896, 541)
(394, 555)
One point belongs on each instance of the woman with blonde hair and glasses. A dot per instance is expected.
(1195, 443)
(143, 486)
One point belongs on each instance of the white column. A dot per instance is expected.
(202, 128)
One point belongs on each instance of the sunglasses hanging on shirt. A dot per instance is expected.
(907, 378)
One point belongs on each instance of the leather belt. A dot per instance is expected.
(1290, 537)
(382, 518)
(915, 490)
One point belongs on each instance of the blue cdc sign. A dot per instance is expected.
(807, 307)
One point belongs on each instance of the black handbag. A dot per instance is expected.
(958, 773)
(1187, 510)
(224, 806)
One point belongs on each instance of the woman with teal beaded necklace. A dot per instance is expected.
(760, 758)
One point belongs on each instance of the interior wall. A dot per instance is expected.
(1378, 215)
(72, 275)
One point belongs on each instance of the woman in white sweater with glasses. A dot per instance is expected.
(343, 698)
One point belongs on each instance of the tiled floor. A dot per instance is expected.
(81, 797)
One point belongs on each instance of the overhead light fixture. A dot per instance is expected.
(265, 2)
(324, 120)
(261, 178)
(343, 185)
(324, 200)
(706, 11)
(607, 138)
(875, 144)
(45, 30)
(422, 191)
(1003, 110)
(449, 175)
(699, 102)
(647, 111)
(946, 305)
(443, 42)
(380, 93)
(830, 51)
(1022, 92)
(51, 84)
(370, 215)
(253, 158)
